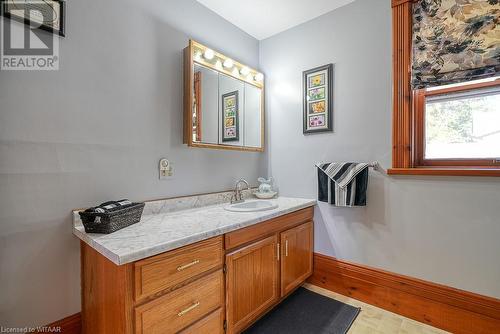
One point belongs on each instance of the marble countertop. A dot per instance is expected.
(158, 232)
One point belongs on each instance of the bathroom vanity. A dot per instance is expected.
(191, 266)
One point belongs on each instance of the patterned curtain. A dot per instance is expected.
(455, 41)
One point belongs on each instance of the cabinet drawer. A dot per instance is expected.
(257, 231)
(182, 307)
(211, 324)
(165, 271)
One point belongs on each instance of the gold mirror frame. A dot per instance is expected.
(193, 54)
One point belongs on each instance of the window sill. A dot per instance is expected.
(445, 171)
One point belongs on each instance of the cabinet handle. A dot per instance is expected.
(185, 266)
(190, 308)
(278, 250)
(286, 247)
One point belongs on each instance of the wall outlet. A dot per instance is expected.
(166, 169)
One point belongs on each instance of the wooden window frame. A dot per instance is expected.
(408, 111)
(419, 126)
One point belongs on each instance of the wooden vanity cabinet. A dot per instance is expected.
(179, 290)
(296, 256)
(222, 284)
(265, 263)
(251, 282)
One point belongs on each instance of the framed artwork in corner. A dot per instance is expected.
(230, 117)
(318, 99)
(48, 15)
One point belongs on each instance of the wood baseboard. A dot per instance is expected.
(440, 306)
(68, 325)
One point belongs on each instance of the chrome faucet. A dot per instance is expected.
(237, 196)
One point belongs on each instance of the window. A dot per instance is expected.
(446, 84)
(458, 125)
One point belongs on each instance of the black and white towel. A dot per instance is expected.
(110, 206)
(343, 184)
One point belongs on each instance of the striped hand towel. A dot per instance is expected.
(110, 206)
(343, 184)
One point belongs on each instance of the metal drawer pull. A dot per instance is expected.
(278, 251)
(190, 308)
(286, 247)
(185, 266)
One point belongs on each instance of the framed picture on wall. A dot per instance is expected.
(318, 99)
(48, 15)
(230, 117)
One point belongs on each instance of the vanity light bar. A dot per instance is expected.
(205, 56)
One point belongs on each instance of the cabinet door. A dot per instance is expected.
(297, 256)
(251, 282)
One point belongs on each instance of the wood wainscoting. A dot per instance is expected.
(440, 306)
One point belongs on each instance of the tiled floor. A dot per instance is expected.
(374, 320)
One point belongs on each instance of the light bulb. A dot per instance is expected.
(235, 72)
(245, 70)
(259, 77)
(197, 56)
(228, 63)
(209, 54)
(218, 65)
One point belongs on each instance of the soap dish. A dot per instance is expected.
(266, 195)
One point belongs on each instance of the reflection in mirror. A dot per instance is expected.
(232, 98)
(205, 105)
(225, 110)
(253, 116)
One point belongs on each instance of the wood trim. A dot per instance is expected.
(227, 147)
(445, 171)
(199, 105)
(461, 88)
(188, 94)
(68, 325)
(396, 3)
(402, 106)
(419, 128)
(444, 307)
(460, 163)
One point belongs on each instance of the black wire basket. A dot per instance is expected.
(111, 221)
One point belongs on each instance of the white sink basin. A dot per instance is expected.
(251, 206)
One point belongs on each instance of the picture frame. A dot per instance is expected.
(12, 9)
(230, 117)
(318, 99)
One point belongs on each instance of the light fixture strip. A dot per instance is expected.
(208, 57)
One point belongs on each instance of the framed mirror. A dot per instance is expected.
(223, 101)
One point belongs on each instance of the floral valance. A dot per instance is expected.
(455, 41)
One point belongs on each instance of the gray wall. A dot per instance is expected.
(442, 229)
(95, 130)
